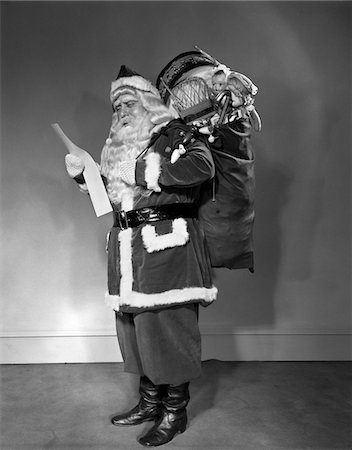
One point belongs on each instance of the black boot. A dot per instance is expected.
(148, 408)
(173, 419)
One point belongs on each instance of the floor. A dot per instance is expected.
(235, 405)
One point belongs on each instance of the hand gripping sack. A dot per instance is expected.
(226, 211)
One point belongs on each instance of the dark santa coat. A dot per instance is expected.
(164, 263)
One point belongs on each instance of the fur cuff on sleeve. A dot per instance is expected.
(152, 171)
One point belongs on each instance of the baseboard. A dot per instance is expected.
(217, 342)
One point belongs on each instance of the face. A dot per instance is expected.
(129, 110)
(237, 99)
(218, 83)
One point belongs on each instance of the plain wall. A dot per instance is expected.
(57, 62)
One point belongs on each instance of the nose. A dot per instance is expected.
(122, 111)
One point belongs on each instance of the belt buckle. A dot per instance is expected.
(123, 220)
(154, 216)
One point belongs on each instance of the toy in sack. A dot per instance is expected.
(218, 103)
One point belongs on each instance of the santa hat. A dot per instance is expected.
(127, 78)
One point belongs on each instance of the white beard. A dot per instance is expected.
(127, 143)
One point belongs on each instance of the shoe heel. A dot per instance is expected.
(183, 427)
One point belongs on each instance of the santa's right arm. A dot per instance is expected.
(75, 167)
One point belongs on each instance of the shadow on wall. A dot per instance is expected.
(272, 186)
(292, 154)
(245, 299)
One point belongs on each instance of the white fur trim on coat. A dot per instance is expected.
(152, 171)
(167, 298)
(128, 297)
(126, 268)
(153, 242)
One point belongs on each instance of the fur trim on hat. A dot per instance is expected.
(135, 82)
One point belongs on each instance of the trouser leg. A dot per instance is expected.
(169, 344)
(164, 345)
(126, 334)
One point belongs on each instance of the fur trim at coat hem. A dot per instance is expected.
(137, 301)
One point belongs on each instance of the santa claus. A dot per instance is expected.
(158, 264)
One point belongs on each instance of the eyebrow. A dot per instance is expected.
(126, 100)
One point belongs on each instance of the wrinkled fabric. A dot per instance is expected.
(227, 211)
(164, 345)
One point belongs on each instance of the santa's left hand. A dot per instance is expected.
(127, 172)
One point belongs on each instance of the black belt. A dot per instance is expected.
(130, 219)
